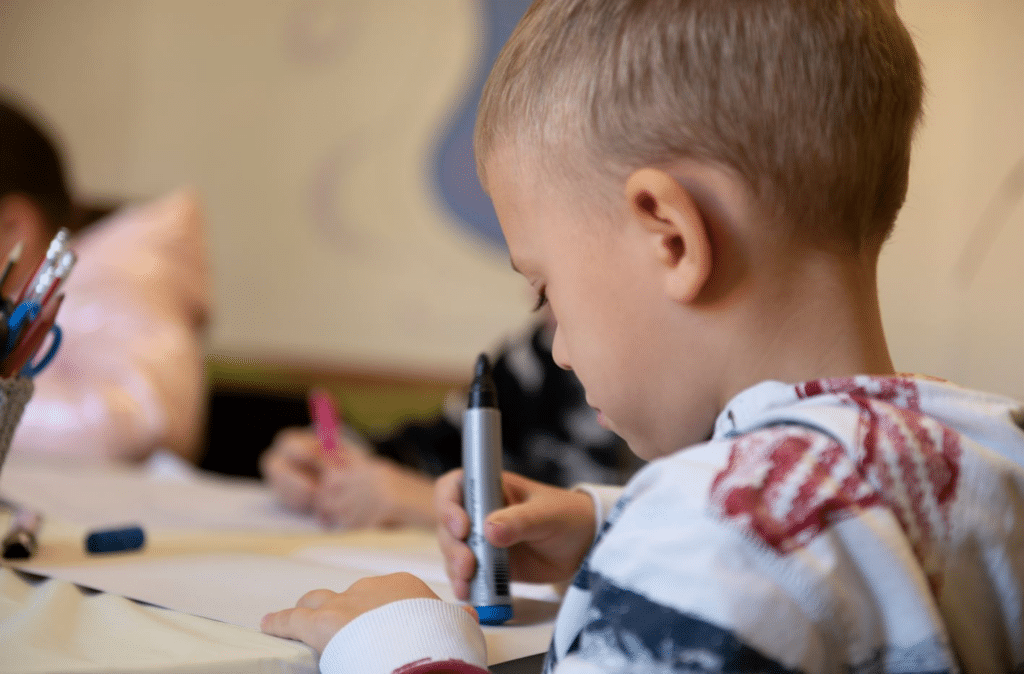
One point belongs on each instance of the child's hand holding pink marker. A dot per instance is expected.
(327, 424)
(339, 480)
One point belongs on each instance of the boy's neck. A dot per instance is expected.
(817, 318)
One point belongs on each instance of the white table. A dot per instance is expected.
(218, 554)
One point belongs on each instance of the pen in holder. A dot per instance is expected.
(14, 395)
(26, 322)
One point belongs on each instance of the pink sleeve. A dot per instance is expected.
(439, 667)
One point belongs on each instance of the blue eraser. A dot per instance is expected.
(494, 615)
(115, 540)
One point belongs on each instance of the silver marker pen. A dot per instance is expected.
(481, 487)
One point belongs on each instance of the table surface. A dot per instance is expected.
(220, 575)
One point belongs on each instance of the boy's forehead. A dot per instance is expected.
(519, 262)
(521, 186)
(515, 189)
(506, 169)
(501, 181)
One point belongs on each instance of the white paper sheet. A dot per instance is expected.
(240, 588)
(427, 564)
(235, 588)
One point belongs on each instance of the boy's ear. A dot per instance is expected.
(679, 231)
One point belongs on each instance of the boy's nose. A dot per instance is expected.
(558, 352)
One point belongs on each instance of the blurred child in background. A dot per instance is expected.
(129, 378)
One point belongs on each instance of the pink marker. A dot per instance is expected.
(326, 422)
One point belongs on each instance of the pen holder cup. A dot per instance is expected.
(14, 395)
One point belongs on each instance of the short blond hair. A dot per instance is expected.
(812, 102)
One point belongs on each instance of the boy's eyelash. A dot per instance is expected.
(542, 299)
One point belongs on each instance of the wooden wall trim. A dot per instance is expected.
(292, 373)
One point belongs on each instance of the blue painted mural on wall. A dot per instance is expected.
(455, 167)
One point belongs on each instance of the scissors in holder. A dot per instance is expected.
(28, 326)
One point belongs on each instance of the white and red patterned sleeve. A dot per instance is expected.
(411, 636)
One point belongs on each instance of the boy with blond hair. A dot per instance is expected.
(701, 189)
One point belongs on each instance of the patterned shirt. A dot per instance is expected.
(866, 524)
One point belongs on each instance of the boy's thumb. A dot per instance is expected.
(514, 524)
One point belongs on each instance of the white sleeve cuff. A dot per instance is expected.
(405, 631)
(604, 497)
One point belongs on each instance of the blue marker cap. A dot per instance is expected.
(115, 540)
(494, 615)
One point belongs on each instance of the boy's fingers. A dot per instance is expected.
(516, 486)
(550, 515)
(448, 490)
(455, 520)
(452, 518)
(286, 623)
(314, 598)
(501, 534)
(303, 624)
(460, 589)
(460, 563)
(523, 522)
(451, 547)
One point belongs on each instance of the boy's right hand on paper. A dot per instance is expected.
(547, 530)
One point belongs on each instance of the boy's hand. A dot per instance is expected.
(319, 614)
(547, 530)
(292, 466)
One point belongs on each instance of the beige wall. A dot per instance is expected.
(307, 125)
(952, 278)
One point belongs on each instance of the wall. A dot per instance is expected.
(952, 277)
(310, 127)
